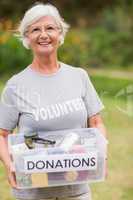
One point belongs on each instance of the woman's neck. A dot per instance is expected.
(45, 65)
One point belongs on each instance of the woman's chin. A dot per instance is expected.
(45, 51)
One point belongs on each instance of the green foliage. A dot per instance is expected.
(11, 8)
(97, 47)
(111, 41)
(108, 48)
(75, 49)
(101, 46)
(107, 43)
(13, 57)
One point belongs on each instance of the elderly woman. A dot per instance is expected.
(47, 95)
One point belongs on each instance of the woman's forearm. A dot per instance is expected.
(4, 153)
(102, 129)
(97, 122)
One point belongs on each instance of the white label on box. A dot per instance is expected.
(59, 163)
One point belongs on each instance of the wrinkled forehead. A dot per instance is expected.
(45, 20)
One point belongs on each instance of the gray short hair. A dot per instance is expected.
(36, 12)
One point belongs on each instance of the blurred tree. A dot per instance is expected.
(103, 37)
(72, 10)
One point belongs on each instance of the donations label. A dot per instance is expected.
(60, 162)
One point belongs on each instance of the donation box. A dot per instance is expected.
(55, 158)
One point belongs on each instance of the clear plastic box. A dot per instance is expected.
(78, 156)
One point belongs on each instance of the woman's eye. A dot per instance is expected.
(35, 29)
(50, 28)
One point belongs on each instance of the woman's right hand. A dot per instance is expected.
(11, 175)
(6, 159)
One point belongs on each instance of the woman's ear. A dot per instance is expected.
(26, 43)
(61, 39)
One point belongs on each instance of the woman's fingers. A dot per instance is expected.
(12, 179)
(11, 176)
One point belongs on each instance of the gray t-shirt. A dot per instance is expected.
(38, 102)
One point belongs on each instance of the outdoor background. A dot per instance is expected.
(101, 41)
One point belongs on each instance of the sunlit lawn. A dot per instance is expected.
(119, 184)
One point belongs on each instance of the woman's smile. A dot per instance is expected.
(44, 43)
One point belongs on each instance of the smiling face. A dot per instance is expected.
(44, 36)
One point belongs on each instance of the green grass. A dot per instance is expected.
(118, 118)
(119, 184)
(111, 86)
(4, 187)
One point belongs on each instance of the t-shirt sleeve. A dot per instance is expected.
(92, 101)
(9, 113)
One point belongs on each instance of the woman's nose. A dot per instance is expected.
(43, 34)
